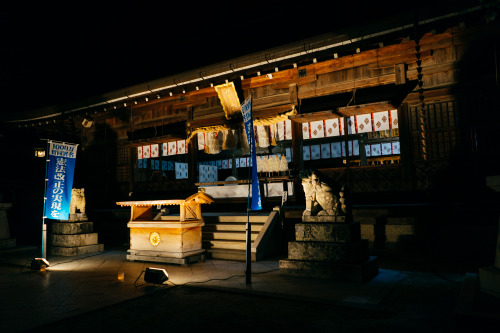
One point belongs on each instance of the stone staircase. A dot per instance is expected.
(389, 228)
(224, 235)
(74, 237)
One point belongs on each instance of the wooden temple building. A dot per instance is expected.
(400, 112)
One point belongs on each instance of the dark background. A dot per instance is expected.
(55, 53)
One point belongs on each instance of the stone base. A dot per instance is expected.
(328, 232)
(489, 280)
(77, 217)
(361, 272)
(329, 252)
(71, 228)
(74, 237)
(73, 240)
(181, 258)
(7, 242)
(306, 217)
(75, 250)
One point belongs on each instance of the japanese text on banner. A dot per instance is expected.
(60, 171)
(246, 111)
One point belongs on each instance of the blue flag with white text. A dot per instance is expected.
(246, 111)
(59, 182)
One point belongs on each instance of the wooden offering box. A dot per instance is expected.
(168, 239)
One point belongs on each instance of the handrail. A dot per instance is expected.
(258, 243)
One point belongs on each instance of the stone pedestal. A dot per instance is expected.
(5, 240)
(329, 250)
(74, 237)
(489, 277)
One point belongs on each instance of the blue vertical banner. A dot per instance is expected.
(246, 111)
(59, 181)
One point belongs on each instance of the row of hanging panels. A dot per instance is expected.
(213, 143)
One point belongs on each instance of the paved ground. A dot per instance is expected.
(84, 293)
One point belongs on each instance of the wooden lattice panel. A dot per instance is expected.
(440, 128)
(369, 179)
(426, 173)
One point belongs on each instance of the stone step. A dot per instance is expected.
(75, 250)
(411, 220)
(360, 272)
(328, 232)
(73, 240)
(71, 228)
(224, 234)
(371, 212)
(229, 235)
(231, 226)
(224, 244)
(234, 218)
(226, 254)
(7, 242)
(329, 252)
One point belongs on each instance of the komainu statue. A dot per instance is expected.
(77, 201)
(321, 199)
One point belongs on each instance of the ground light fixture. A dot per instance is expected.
(39, 264)
(155, 275)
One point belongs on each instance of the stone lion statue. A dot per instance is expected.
(321, 199)
(77, 201)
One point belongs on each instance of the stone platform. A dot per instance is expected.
(329, 250)
(74, 237)
(5, 240)
(361, 272)
(489, 276)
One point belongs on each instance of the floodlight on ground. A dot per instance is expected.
(155, 275)
(39, 264)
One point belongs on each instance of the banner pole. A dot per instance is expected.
(44, 226)
(246, 111)
(248, 267)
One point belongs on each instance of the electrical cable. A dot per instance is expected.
(89, 256)
(220, 279)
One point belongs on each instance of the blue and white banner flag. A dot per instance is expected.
(60, 171)
(246, 111)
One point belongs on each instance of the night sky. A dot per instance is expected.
(57, 53)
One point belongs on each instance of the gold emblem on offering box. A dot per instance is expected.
(154, 238)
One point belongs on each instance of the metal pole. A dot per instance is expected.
(44, 240)
(347, 186)
(248, 263)
(44, 226)
(248, 270)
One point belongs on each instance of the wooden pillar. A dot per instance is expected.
(297, 138)
(297, 159)
(182, 210)
(407, 163)
(192, 149)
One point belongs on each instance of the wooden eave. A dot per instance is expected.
(152, 141)
(356, 110)
(314, 116)
(372, 99)
(200, 197)
(272, 111)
